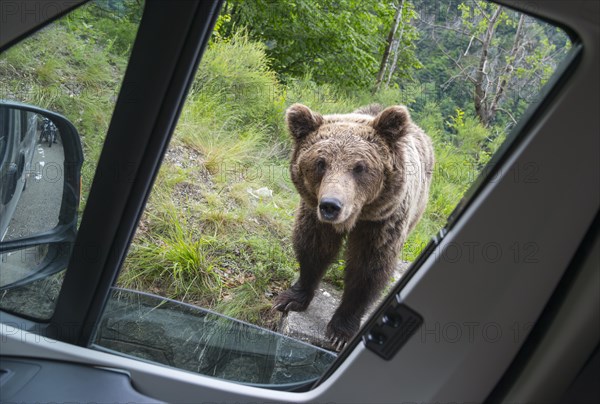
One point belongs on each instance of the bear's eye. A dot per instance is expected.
(321, 165)
(359, 168)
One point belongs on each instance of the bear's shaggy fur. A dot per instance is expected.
(363, 176)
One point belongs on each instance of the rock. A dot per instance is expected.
(310, 325)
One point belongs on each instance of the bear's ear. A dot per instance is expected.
(390, 122)
(301, 121)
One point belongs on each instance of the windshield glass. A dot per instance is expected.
(194, 339)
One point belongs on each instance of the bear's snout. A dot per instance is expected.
(337, 200)
(330, 208)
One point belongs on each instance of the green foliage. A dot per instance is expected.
(336, 42)
(402, 61)
(517, 63)
(335, 273)
(109, 24)
(468, 133)
(325, 98)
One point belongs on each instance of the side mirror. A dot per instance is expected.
(40, 177)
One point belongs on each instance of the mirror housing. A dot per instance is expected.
(36, 216)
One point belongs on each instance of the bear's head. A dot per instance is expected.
(342, 164)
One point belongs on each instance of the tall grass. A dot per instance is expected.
(174, 260)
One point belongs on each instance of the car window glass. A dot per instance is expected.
(73, 67)
(218, 230)
(23, 127)
(4, 152)
(3, 137)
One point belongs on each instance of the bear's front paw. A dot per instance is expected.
(293, 299)
(340, 330)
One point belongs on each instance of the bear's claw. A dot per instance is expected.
(283, 306)
(338, 343)
(341, 329)
(293, 299)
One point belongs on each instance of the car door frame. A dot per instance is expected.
(441, 291)
(144, 118)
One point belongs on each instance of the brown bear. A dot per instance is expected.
(362, 176)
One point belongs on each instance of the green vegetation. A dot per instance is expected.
(336, 41)
(217, 227)
(74, 67)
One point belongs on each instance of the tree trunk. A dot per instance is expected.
(480, 96)
(388, 46)
(508, 69)
(395, 48)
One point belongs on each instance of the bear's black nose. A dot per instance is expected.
(330, 208)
